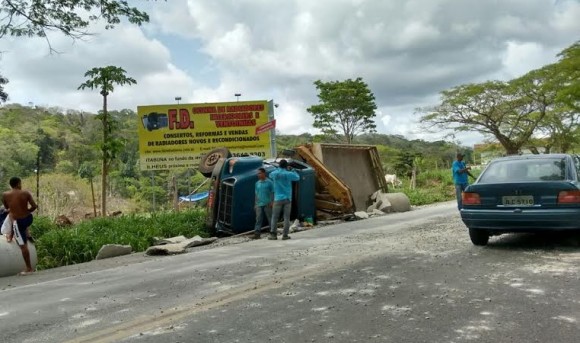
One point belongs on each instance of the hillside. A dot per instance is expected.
(59, 143)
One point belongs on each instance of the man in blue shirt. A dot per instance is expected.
(282, 177)
(264, 196)
(460, 172)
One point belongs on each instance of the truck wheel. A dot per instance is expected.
(478, 237)
(210, 159)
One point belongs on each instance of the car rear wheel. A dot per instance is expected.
(479, 237)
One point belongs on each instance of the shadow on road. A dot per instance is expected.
(569, 241)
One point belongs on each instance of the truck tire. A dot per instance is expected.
(210, 159)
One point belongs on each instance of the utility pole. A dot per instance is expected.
(175, 194)
(153, 190)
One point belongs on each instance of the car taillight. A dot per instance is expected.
(569, 197)
(470, 198)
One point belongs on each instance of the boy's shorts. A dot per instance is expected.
(19, 227)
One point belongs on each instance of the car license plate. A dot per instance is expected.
(520, 200)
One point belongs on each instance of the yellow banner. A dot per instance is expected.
(176, 136)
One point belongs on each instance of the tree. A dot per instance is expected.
(561, 124)
(405, 162)
(570, 65)
(559, 130)
(557, 118)
(540, 108)
(345, 108)
(34, 18)
(3, 94)
(493, 108)
(537, 92)
(418, 162)
(87, 171)
(104, 79)
(81, 134)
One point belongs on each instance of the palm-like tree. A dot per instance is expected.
(104, 79)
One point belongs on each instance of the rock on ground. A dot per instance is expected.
(381, 202)
(361, 215)
(179, 247)
(172, 240)
(113, 250)
(376, 212)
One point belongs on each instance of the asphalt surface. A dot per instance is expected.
(406, 277)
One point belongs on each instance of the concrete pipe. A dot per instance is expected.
(399, 202)
(11, 260)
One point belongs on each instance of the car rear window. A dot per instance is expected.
(534, 169)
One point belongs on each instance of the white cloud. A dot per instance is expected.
(232, 46)
(291, 118)
(385, 119)
(519, 58)
(53, 79)
(407, 51)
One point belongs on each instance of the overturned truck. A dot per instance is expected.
(230, 202)
(319, 194)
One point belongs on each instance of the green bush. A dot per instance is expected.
(81, 243)
(432, 186)
(433, 177)
(41, 225)
(425, 196)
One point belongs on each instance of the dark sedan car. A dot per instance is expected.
(526, 193)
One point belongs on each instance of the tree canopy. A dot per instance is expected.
(3, 94)
(345, 108)
(570, 66)
(34, 18)
(540, 106)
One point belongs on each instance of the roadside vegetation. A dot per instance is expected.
(59, 246)
(431, 187)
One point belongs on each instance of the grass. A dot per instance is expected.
(421, 196)
(80, 243)
(432, 186)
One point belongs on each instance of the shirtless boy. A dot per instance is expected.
(17, 202)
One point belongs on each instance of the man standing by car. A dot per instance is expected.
(264, 195)
(282, 178)
(460, 173)
(17, 201)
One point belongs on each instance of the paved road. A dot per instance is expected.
(408, 277)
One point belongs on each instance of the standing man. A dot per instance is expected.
(282, 177)
(264, 197)
(17, 202)
(460, 173)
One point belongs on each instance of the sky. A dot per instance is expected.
(208, 50)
